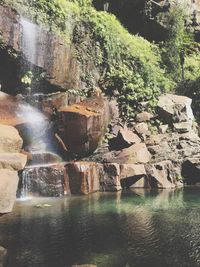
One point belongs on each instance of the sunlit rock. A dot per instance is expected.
(84, 177)
(12, 161)
(137, 153)
(8, 187)
(125, 138)
(144, 116)
(174, 108)
(10, 140)
(162, 175)
(83, 125)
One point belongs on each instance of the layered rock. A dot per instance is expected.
(110, 177)
(11, 161)
(83, 125)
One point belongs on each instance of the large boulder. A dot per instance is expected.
(174, 108)
(12, 161)
(137, 153)
(84, 177)
(46, 181)
(8, 187)
(83, 125)
(133, 175)
(10, 140)
(125, 138)
(161, 175)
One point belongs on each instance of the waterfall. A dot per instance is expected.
(24, 195)
(29, 40)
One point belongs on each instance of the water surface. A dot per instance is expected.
(137, 228)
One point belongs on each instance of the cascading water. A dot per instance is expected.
(37, 123)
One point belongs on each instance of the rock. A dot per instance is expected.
(84, 265)
(84, 177)
(190, 171)
(174, 108)
(144, 116)
(46, 181)
(12, 161)
(161, 174)
(182, 127)
(83, 125)
(8, 188)
(142, 130)
(137, 153)
(124, 139)
(10, 140)
(133, 175)
(110, 178)
(163, 128)
(3, 256)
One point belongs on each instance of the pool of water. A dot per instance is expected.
(137, 228)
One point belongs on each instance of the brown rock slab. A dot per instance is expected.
(83, 125)
(137, 153)
(3, 256)
(84, 177)
(142, 129)
(12, 161)
(8, 188)
(10, 140)
(182, 127)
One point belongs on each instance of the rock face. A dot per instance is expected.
(83, 177)
(83, 125)
(46, 181)
(10, 141)
(11, 161)
(8, 188)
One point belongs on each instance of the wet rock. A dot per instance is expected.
(3, 256)
(84, 177)
(12, 161)
(46, 181)
(125, 138)
(110, 178)
(190, 171)
(8, 188)
(182, 127)
(137, 153)
(10, 140)
(174, 108)
(83, 125)
(144, 116)
(161, 175)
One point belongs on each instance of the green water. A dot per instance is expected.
(138, 228)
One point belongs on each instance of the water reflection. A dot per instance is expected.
(135, 228)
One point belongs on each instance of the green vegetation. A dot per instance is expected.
(130, 67)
